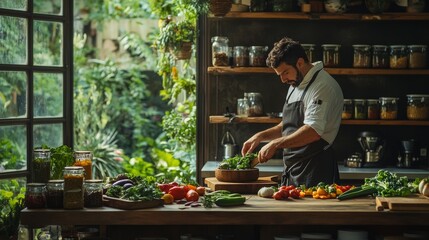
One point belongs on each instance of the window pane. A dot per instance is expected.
(13, 94)
(48, 7)
(48, 41)
(49, 134)
(14, 4)
(13, 40)
(13, 148)
(48, 95)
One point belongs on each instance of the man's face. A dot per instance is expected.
(289, 74)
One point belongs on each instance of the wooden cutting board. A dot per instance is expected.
(413, 203)
(245, 187)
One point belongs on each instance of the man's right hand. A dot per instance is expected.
(250, 145)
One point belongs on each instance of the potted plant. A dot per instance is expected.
(178, 38)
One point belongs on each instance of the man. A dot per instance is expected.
(311, 118)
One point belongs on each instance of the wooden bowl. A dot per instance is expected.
(244, 175)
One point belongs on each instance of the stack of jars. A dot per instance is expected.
(250, 105)
(394, 56)
(361, 109)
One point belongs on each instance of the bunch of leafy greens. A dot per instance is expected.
(144, 189)
(388, 184)
(61, 157)
(12, 195)
(238, 162)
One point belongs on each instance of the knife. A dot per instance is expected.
(254, 162)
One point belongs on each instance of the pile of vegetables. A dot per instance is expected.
(238, 162)
(223, 198)
(388, 184)
(134, 188)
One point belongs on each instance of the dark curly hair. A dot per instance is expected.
(286, 50)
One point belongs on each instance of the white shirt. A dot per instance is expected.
(323, 102)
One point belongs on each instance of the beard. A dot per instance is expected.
(298, 79)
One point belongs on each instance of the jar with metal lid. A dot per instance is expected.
(373, 109)
(73, 187)
(309, 51)
(84, 159)
(255, 104)
(55, 193)
(361, 56)
(388, 108)
(380, 56)
(417, 56)
(360, 108)
(41, 165)
(282, 5)
(35, 195)
(417, 107)
(347, 109)
(242, 107)
(398, 56)
(220, 51)
(331, 55)
(241, 56)
(93, 196)
(258, 56)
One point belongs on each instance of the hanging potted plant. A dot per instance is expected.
(178, 38)
(163, 9)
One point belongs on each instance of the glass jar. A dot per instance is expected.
(255, 104)
(309, 51)
(282, 5)
(388, 108)
(242, 107)
(347, 109)
(35, 195)
(373, 109)
(417, 107)
(360, 108)
(331, 55)
(241, 56)
(380, 56)
(55, 193)
(361, 56)
(220, 51)
(93, 196)
(398, 56)
(258, 5)
(73, 187)
(41, 165)
(84, 159)
(258, 56)
(417, 56)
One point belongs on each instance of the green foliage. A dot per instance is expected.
(174, 34)
(12, 195)
(61, 157)
(180, 125)
(162, 8)
(10, 157)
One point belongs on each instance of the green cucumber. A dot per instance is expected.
(357, 193)
(230, 201)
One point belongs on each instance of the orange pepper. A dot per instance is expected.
(302, 194)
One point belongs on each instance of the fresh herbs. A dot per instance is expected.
(238, 162)
(61, 157)
(144, 189)
(388, 184)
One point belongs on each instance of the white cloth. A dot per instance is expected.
(323, 102)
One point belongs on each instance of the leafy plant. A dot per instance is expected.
(174, 34)
(61, 157)
(10, 157)
(162, 8)
(12, 196)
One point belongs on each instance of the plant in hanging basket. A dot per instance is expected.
(220, 7)
(178, 38)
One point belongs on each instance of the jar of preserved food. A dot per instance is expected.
(242, 107)
(220, 51)
(35, 195)
(41, 165)
(282, 5)
(258, 5)
(417, 56)
(73, 187)
(398, 56)
(309, 50)
(93, 196)
(360, 108)
(347, 109)
(361, 56)
(255, 104)
(55, 193)
(84, 159)
(380, 56)
(241, 56)
(258, 56)
(373, 109)
(388, 108)
(331, 55)
(417, 107)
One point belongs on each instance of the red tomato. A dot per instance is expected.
(178, 192)
(174, 183)
(278, 195)
(164, 187)
(294, 193)
(285, 193)
(192, 195)
(287, 188)
(201, 191)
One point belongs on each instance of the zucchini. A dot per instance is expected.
(360, 192)
(229, 201)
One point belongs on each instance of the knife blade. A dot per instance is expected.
(254, 162)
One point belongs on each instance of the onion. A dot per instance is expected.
(425, 190)
(421, 184)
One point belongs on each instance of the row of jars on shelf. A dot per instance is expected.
(386, 108)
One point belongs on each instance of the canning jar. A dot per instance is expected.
(242, 107)
(388, 108)
(255, 104)
(282, 5)
(84, 159)
(361, 56)
(258, 56)
(220, 51)
(417, 56)
(35, 195)
(417, 107)
(398, 56)
(331, 55)
(360, 108)
(241, 56)
(373, 109)
(93, 196)
(380, 56)
(309, 50)
(55, 193)
(347, 109)
(41, 165)
(73, 187)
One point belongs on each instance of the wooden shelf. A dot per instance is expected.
(333, 71)
(222, 119)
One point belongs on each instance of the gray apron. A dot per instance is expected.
(309, 164)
